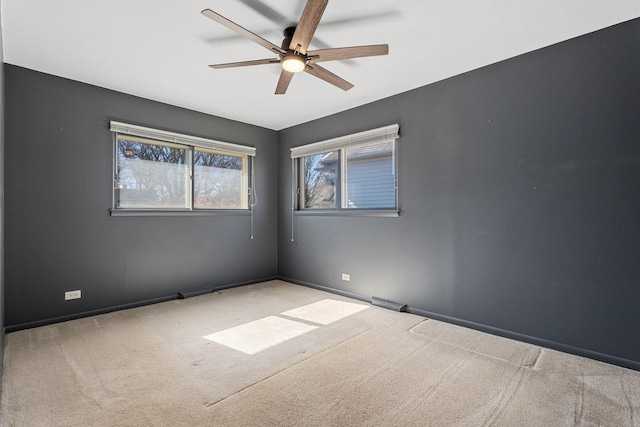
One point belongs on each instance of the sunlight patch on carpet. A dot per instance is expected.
(254, 337)
(326, 311)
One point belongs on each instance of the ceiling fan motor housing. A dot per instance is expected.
(288, 35)
(292, 61)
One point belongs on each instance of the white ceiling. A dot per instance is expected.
(160, 49)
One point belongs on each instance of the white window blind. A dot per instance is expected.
(383, 134)
(161, 135)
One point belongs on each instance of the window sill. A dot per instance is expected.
(385, 213)
(159, 212)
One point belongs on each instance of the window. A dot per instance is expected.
(219, 180)
(354, 172)
(163, 171)
(151, 174)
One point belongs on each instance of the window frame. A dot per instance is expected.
(341, 145)
(191, 144)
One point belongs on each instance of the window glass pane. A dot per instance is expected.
(151, 174)
(219, 180)
(320, 174)
(371, 176)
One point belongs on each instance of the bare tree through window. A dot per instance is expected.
(218, 180)
(151, 175)
(320, 180)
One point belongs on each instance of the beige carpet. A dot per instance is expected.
(277, 354)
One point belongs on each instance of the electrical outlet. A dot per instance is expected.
(346, 277)
(72, 295)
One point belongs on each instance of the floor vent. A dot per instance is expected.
(391, 305)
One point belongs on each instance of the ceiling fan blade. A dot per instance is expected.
(283, 82)
(307, 25)
(347, 52)
(245, 63)
(242, 31)
(328, 76)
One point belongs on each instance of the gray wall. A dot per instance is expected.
(519, 195)
(59, 234)
(1, 199)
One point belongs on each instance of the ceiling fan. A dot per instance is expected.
(293, 54)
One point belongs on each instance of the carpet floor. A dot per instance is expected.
(278, 354)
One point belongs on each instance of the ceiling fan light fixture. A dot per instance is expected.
(293, 63)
